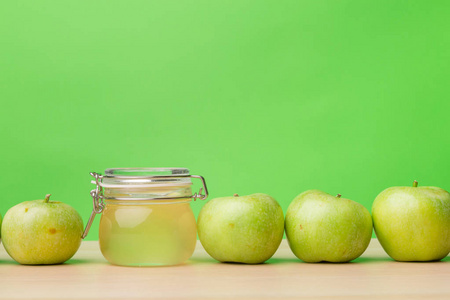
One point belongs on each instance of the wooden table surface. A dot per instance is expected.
(89, 276)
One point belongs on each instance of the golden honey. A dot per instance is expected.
(148, 234)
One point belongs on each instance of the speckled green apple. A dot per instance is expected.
(41, 232)
(321, 227)
(413, 223)
(246, 229)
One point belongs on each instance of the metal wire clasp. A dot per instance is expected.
(97, 201)
(199, 194)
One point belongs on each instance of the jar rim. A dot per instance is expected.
(145, 177)
(145, 172)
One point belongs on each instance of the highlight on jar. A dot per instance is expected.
(146, 217)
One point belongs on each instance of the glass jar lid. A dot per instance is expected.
(146, 184)
(145, 177)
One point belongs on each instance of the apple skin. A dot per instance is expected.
(413, 223)
(321, 227)
(246, 229)
(41, 233)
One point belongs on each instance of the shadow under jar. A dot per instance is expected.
(146, 218)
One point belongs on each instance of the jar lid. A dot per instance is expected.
(145, 177)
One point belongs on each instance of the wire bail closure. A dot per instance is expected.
(98, 204)
(97, 194)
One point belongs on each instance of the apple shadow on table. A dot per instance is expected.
(206, 260)
(283, 261)
(268, 262)
(203, 260)
(355, 261)
(372, 259)
(13, 262)
(388, 259)
(273, 261)
(69, 262)
(77, 261)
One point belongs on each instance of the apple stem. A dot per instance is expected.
(415, 183)
(338, 195)
(236, 195)
(47, 197)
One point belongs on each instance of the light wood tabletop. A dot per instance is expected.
(89, 276)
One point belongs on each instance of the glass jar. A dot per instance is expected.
(146, 218)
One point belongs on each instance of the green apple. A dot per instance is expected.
(413, 223)
(41, 232)
(246, 229)
(321, 227)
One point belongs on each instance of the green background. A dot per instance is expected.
(277, 97)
